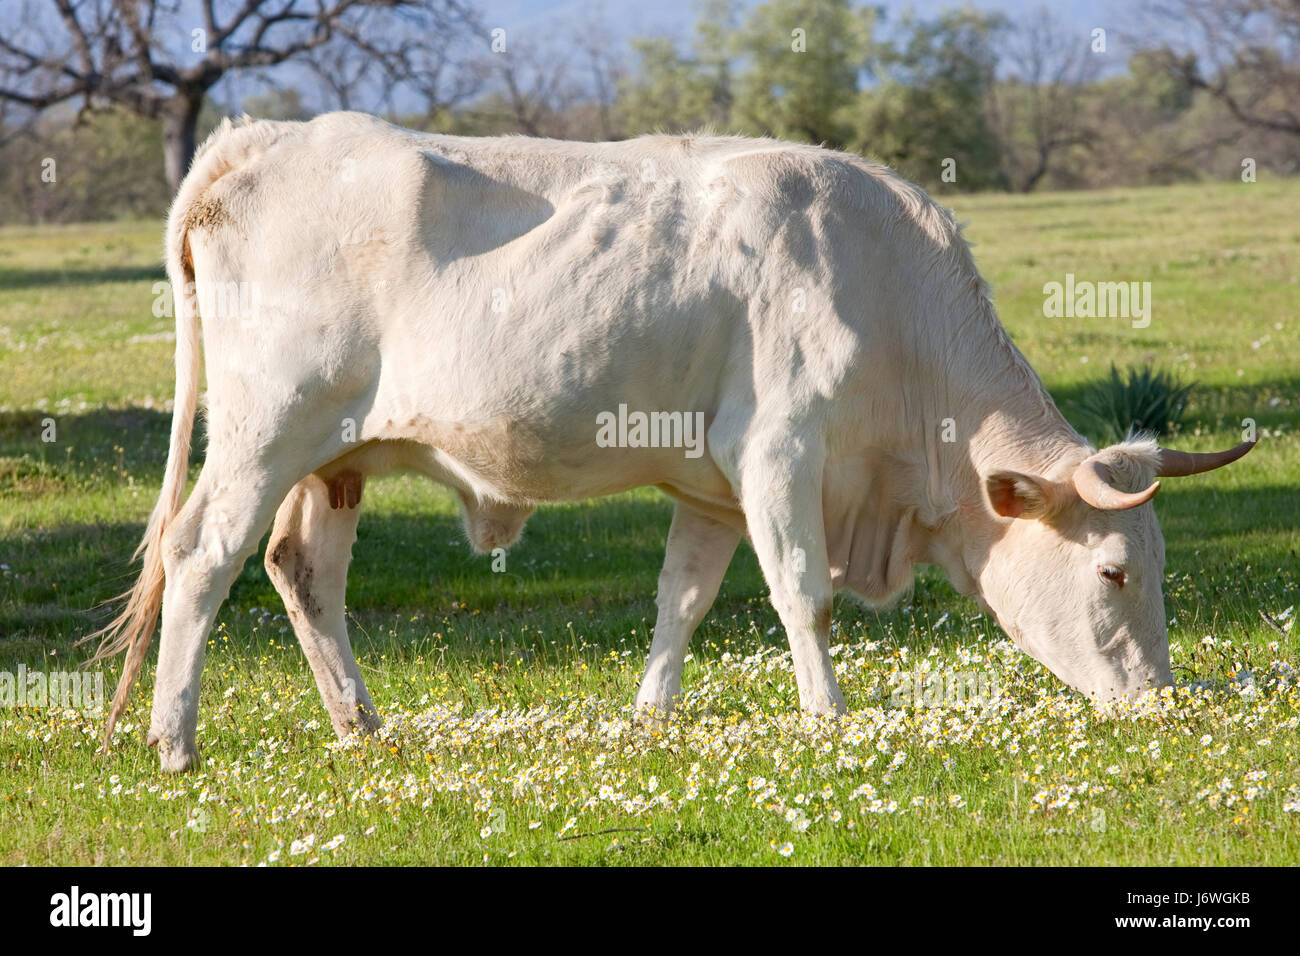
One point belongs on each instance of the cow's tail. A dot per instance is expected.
(132, 629)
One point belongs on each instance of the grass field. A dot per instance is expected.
(508, 694)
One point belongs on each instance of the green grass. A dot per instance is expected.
(493, 682)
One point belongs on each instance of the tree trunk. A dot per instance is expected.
(1038, 173)
(180, 119)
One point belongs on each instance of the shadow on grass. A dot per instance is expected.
(1269, 404)
(600, 561)
(35, 278)
(93, 446)
(575, 557)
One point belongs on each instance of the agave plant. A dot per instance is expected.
(1141, 399)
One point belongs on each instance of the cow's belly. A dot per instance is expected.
(523, 463)
(517, 460)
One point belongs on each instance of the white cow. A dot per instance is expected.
(478, 309)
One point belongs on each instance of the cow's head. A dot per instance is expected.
(1072, 565)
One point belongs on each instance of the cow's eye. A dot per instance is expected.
(1111, 575)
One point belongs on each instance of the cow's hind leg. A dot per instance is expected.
(307, 560)
(781, 480)
(203, 550)
(695, 560)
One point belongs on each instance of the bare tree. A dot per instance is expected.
(159, 58)
(1244, 53)
(429, 57)
(594, 41)
(1041, 96)
(534, 85)
(530, 78)
(553, 77)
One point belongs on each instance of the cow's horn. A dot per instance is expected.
(1176, 464)
(1093, 485)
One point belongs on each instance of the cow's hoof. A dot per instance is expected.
(651, 716)
(823, 707)
(174, 757)
(361, 722)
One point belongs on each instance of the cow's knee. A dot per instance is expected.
(180, 541)
(204, 540)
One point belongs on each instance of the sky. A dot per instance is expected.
(676, 18)
(635, 17)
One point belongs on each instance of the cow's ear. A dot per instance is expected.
(1014, 495)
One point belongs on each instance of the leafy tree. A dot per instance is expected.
(277, 104)
(676, 92)
(667, 91)
(803, 59)
(928, 107)
(106, 166)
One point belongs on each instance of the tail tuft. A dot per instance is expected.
(131, 631)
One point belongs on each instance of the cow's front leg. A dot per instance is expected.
(695, 560)
(781, 482)
(307, 560)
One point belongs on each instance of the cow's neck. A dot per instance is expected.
(992, 413)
